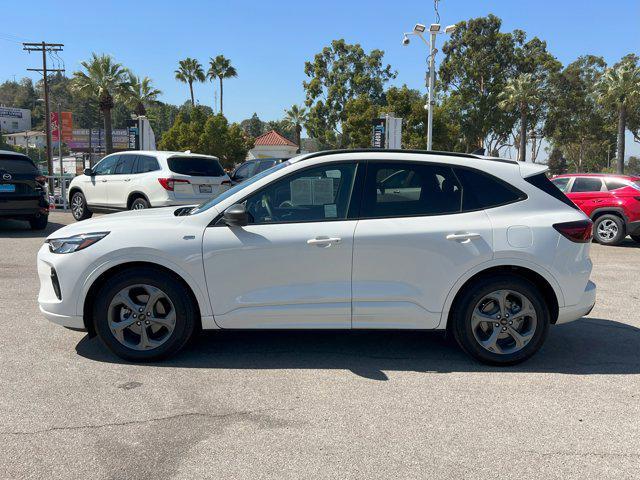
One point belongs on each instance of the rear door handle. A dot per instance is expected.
(463, 237)
(127, 179)
(104, 180)
(323, 241)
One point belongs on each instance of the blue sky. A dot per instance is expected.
(269, 42)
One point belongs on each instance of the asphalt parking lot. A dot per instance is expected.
(318, 405)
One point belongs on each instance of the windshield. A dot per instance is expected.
(233, 190)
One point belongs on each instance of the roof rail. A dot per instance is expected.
(422, 152)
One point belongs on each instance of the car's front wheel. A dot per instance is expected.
(609, 230)
(144, 314)
(501, 320)
(79, 208)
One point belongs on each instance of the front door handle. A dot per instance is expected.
(104, 180)
(127, 179)
(323, 241)
(463, 237)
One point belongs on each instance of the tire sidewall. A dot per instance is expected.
(177, 293)
(621, 230)
(139, 201)
(478, 290)
(85, 209)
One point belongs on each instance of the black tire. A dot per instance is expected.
(186, 316)
(39, 222)
(139, 204)
(635, 238)
(617, 230)
(475, 293)
(79, 208)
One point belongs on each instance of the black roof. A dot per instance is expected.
(422, 152)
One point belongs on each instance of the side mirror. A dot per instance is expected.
(236, 216)
(88, 172)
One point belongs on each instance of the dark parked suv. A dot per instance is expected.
(253, 167)
(22, 190)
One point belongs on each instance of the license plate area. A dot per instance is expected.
(205, 188)
(7, 188)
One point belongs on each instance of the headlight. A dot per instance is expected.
(75, 243)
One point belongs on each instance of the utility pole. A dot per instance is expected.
(432, 82)
(45, 47)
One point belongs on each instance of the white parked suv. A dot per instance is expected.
(485, 249)
(139, 179)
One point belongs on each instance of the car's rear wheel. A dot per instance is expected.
(609, 230)
(39, 222)
(139, 204)
(501, 320)
(79, 208)
(144, 315)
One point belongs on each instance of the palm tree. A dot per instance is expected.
(105, 80)
(619, 87)
(521, 94)
(221, 68)
(294, 118)
(189, 71)
(141, 93)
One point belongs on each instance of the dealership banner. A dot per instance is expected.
(67, 126)
(93, 141)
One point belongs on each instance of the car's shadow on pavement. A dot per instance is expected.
(629, 243)
(22, 229)
(588, 346)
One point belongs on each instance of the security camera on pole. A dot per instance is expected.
(434, 30)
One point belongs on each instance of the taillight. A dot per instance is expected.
(579, 232)
(170, 183)
(41, 179)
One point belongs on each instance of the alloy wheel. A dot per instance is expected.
(504, 322)
(607, 230)
(139, 206)
(141, 317)
(77, 206)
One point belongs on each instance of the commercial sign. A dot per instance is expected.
(134, 135)
(10, 112)
(93, 141)
(378, 133)
(387, 132)
(67, 126)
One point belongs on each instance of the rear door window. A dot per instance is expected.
(196, 166)
(125, 165)
(586, 184)
(409, 189)
(146, 164)
(482, 190)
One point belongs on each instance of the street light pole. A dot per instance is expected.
(432, 82)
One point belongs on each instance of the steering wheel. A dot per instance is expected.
(267, 206)
(286, 204)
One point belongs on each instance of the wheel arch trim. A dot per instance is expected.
(96, 272)
(497, 263)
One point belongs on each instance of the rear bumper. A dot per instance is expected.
(23, 207)
(582, 308)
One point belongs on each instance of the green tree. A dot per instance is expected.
(161, 116)
(295, 118)
(357, 127)
(556, 162)
(221, 68)
(619, 88)
(575, 122)
(141, 93)
(254, 127)
(339, 73)
(189, 71)
(102, 79)
(521, 94)
(633, 165)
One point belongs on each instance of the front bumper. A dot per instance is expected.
(582, 308)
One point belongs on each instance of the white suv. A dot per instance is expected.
(488, 250)
(140, 179)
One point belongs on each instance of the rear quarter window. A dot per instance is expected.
(481, 190)
(547, 186)
(196, 166)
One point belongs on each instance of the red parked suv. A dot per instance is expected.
(611, 201)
